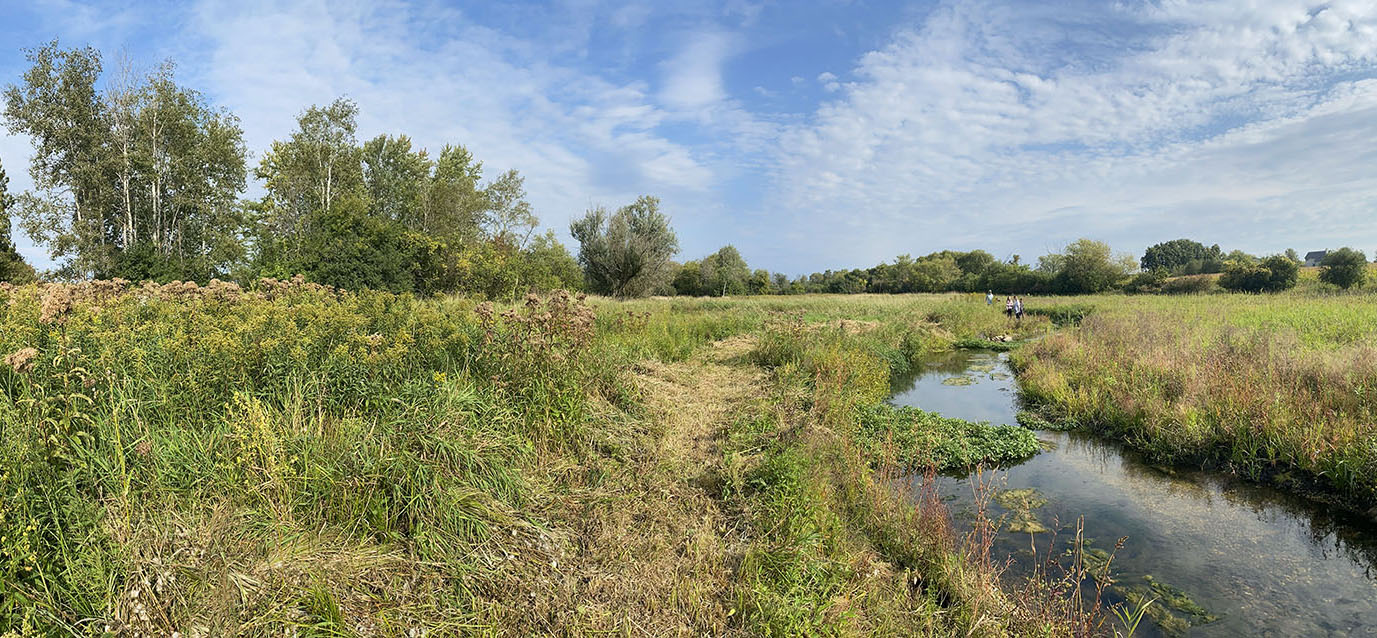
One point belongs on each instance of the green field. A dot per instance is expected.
(1274, 387)
(216, 461)
(219, 461)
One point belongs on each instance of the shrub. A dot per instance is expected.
(1186, 285)
(1344, 268)
(1273, 274)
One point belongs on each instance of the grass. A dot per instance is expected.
(1275, 387)
(296, 460)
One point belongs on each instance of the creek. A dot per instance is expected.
(1223, 557)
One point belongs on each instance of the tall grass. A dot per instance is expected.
(1276, 387)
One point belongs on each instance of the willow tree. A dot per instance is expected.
(626, 253)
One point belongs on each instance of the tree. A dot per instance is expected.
(1344, 268)
(141, 181)
(626, 253)
(688, 279)
(58, 107)
(508, 215)
(316, 167)
(1088, 266)
(395, 178)
(1176, 255)
(454, 203)
(13, 268)
(725, 273)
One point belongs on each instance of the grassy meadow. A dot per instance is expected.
(1274, 387)
(293, 460)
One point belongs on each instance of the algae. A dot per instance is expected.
(962, 380)
(1021, 503)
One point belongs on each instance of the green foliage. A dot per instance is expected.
(626, 253)
(140, 180)
(1273, 274)
(1087, 267)
(1344, 268)
(1183, 257)
(13, 268)
(916, 439)
(1146, 281)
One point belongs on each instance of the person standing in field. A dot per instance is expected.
(1009, 307)
(1018, 309)
(989, 298)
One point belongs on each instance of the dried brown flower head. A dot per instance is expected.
(22, 360)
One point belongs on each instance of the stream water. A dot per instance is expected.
(1254, 561)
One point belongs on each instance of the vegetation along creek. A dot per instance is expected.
(1220, 557)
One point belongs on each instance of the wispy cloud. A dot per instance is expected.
(969, 130)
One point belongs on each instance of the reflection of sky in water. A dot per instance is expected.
(1269, 564)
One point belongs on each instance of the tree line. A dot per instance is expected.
(142, 178)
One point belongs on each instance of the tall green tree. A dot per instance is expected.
(1177, 255)
(725, 273)
(58, 107)
(626, 253)
(396, 178)
(1087, 267)
(455, 202)
(140, 181)
(317, 166)
(13, 268)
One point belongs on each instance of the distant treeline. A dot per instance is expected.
(142, 179)
(1084, 267)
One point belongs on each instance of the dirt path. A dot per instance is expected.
(660, 559)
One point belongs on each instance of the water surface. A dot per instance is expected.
(1264, 562)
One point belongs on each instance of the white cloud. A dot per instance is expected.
(829, 81)
(969, 131)
(431, 74)
(692, 79)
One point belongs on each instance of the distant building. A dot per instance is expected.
(1314, 257)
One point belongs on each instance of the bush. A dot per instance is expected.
(1273, 274)
(1186, 285)
(1146, 281)
(1344, 268)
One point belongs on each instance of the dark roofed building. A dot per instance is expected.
(1314, 257)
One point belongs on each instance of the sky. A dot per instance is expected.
(817, 134)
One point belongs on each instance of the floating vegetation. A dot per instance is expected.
(1035, 421)
(918, 439)
(983, 367)
(961, 380)
(975, 343)
(999, 376)
(1021, 503)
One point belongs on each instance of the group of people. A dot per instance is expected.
(1013, 306)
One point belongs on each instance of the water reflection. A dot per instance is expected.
(1267, 563)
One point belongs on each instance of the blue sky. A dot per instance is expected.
(824, 134)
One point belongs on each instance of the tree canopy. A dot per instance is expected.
(626, 253)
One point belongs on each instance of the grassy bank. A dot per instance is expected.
(295, 460)
(1278, 388)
